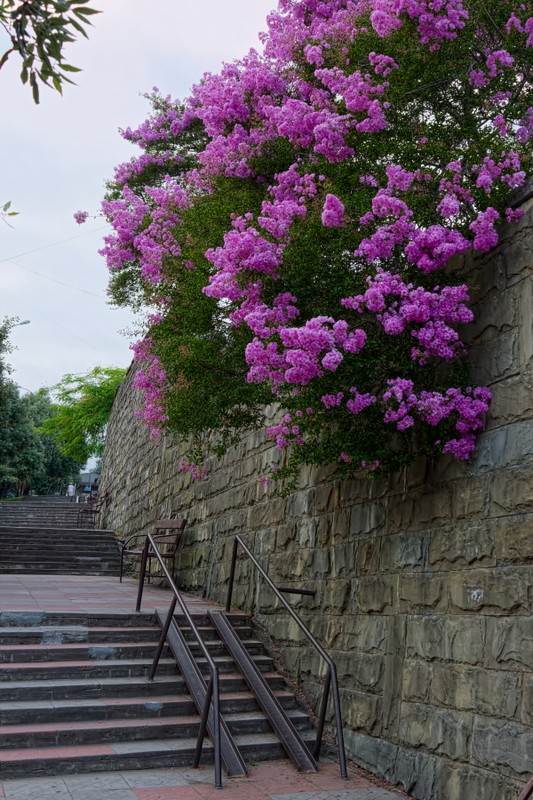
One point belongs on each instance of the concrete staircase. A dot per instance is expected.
(40, 535)
(74, 696)
(49, 512)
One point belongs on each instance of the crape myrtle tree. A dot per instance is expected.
(289, 229)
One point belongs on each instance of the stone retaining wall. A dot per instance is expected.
(423, 581)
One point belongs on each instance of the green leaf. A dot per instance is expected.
(86, 11)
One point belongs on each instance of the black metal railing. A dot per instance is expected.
(212, 699)
(527, 791)
(331, 682)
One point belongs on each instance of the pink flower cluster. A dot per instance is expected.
(198, 471)
(467, 410)
(81, 217)
(438, 20)
(307, 351)
(150, 379)
(428, 315)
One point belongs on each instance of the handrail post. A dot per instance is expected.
(203, 725)
(216, 725)
(232, 573)
(338, 722)
(322, 714)
(142, 573)
(162, 639)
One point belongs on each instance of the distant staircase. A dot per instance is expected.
(40, 535)
(74, 696)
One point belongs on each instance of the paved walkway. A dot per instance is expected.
(272, 781)
(268, 781)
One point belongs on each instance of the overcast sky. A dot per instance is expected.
(57, 156)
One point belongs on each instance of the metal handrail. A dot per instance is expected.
(527, 791)
(331, 681)
(213, 689)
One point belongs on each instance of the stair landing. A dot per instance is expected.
(84, 593)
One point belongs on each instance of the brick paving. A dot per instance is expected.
(267, 781)
(270, 781)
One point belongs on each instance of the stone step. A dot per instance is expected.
(51, 558)
(76, 670)
(61, 569)
(50, 534)
(47, 635)
(145, 704)
(101, 650)
(87, 688)
(130, 730)
(141, 754)
(89, 619)
(43, 654)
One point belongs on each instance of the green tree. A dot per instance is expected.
(55, 469)
(38, 30)
(81, 411)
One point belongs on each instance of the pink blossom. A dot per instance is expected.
(332, 212)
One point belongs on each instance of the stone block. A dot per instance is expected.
(505, 447)
(470, 498)
(510, 643)
(497, 313)
(366, 634)
(419, 591)
(459, 639)
(513, 539)
(400, 514)
(511, 491)
(403, 552)
(416, 773)
(363, 672)
(518, 259)
(263, 515)
(367, 518)
(512, 399)
(353, 491)
(342, 560)
(336, 598)
(264, 543)
(457, 782)
(496, 359)
(376, 755)
(491, 692)
(496, 591)
(526, 715)
(439, 731)
(461, 546)
(368, 555)
(362, 711)
(300, 503)
(433, 507)
(506, 747)
(373, 594)
(392, 679)
(327, 497)
(306, 532)
(415, 475)
(525, 342)
(416, 680)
